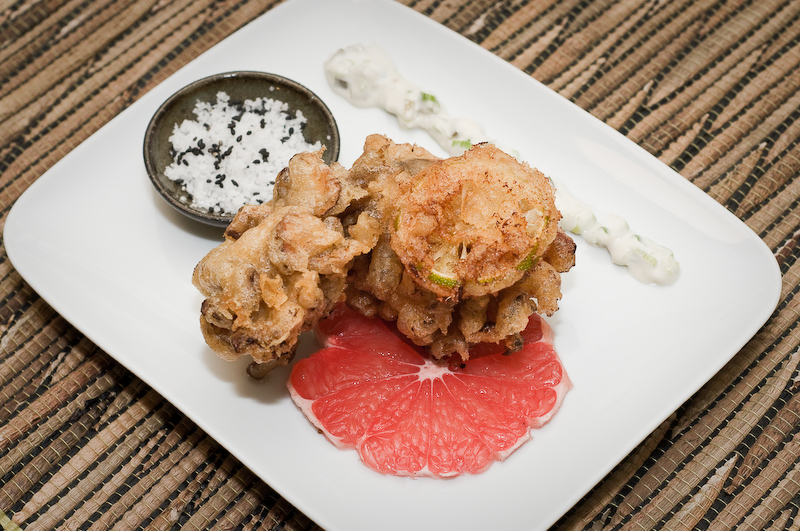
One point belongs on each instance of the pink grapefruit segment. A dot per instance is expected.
(370, 390)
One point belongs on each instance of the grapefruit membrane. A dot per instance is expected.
(369, 389)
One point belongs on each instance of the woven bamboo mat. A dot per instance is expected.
(711, 87)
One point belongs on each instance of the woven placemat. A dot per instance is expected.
(710, 87)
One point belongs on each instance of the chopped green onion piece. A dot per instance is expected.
(529, 261)
(648, 257)
(442, 280)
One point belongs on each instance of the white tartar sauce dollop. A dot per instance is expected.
(367, 77)
(646, 260)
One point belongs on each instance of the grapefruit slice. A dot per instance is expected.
(369, 389)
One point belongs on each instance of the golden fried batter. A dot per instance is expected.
(382, 237)
(309, 183)
(504, 211)
(473, 225)
(277, 279)
(282, 266)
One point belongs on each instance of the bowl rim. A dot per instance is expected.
(332, 147)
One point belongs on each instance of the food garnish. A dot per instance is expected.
(371, 390)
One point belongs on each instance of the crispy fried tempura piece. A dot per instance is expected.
(374, 235)
(282, 265)
(473, 225)
(510, 268)
(388, 172)
(274, 280)
(309, 183)
(380, 286)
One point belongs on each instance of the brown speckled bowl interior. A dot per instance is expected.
(320, 126)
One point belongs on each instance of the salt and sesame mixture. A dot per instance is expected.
(231, 153)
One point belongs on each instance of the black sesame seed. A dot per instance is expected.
(239, 138)
(234, 182)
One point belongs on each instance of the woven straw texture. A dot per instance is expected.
(710, 87)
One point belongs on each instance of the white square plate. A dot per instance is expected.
(94, 239)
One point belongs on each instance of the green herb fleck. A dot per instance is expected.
(646, 256)
(529, 261)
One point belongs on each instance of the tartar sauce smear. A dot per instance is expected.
(367, 77)
(646, 260)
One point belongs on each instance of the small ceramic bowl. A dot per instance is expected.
(320, 126)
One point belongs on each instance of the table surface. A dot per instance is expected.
(710, 87)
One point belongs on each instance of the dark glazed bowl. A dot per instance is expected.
(320, 126)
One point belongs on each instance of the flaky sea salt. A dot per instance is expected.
(230, 154)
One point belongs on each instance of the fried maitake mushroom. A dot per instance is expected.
(456, 251)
